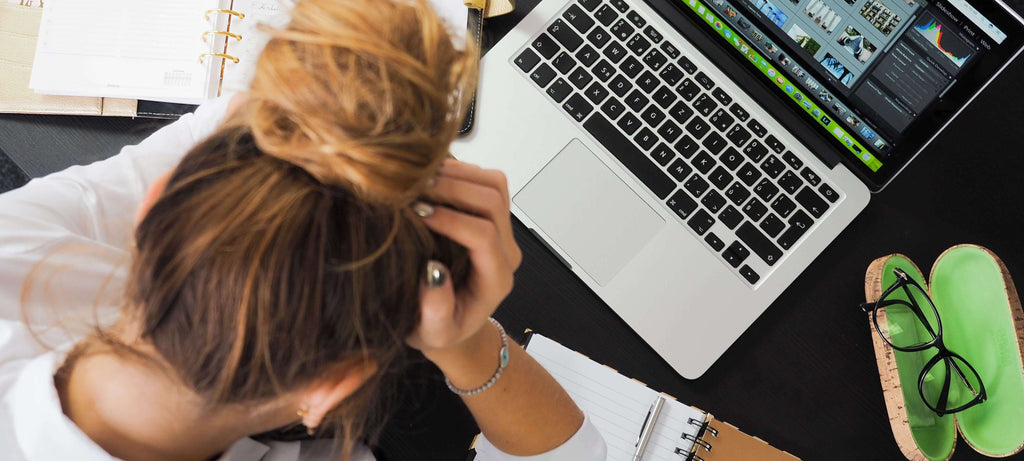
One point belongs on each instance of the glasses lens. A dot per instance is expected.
(963, 388)
(907, 318)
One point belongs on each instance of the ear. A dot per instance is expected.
(336, 385)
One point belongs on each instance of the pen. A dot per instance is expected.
(648, 427)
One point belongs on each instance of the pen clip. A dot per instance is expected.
(644, 426)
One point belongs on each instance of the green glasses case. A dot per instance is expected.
(982, 321)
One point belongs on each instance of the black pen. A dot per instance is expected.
(648, 427)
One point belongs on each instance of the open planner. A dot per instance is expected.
(621, 407)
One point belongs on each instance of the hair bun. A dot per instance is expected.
(362, 94)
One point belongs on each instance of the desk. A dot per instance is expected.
(803, 376)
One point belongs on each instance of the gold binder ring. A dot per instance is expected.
(222, 10)
(220, 32)
(218, 55)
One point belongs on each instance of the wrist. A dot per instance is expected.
(474, 362)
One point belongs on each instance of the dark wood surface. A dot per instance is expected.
(803, 376)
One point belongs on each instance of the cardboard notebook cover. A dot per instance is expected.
(982, 320)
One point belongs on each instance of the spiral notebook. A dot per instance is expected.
(620, 407)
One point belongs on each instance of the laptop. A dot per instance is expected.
(688, 159)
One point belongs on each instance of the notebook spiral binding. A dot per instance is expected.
(224, 33)
(698, 440)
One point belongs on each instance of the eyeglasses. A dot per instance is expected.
(947, 383)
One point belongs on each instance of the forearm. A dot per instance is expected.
(525, 412)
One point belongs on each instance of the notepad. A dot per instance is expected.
(618, 406)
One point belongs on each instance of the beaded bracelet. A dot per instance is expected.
(503, 356)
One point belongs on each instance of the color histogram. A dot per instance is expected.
(954, 50)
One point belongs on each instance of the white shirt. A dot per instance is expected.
(80, 221)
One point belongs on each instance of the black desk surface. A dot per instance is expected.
(803, 376)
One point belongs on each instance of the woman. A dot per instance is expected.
(277, 273)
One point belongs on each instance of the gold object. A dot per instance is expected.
(220, 32)
(218, 55)
(499, 7)
(475, 4)
(225, 11)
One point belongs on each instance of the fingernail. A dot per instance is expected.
(422, 209)
(436, 274)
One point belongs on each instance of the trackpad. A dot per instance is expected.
(589, 212)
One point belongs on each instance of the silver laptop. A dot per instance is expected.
(687, 159)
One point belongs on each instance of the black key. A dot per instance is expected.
(766, 190)
(620, 5)
(638, 44)
(696, 186)
(738, 135)
(792, 160)
(705, 104)
(605, 15)
(704, 80)
(736, 254)
(754, 209)
(634, 160)
(772, 225)
(580, 78)
(565, 35)
(687, 146)
(543, 75)
(756, 127)
(645, 138)
(545, 46)
(671, 75)
(720, 178)
(722, 120)
(740, 113)
(670, 50)
(578, 18)
(559, 90)
(680, 169)
(604, 70)
(648, 81)
(631, 67)
(615, 52)
(773, 167)
(688, 89)
(653, 34)
(613, 108)
(670, 131)
(563, 62)
(578, 107)
(761, 245)
(783, 206)
(774, 144)
(755, 151)
(637, 101)
(681, 204)
(790, 182)
(731, 217)
(701, 222)
(714, 143)
(655, 59)
(636, 19)
(620, 85)
(722, 96)
(749, 274)
(663, 154)
(811, 202)
(737, 193)
(798, 225)
(810, 176)
(596, 93)
(716, 243)
(748, 174)
(703, 162)
(587, 55)
(629, 123)
(698, 128)
(652, 116)
(680, 112)
(590, 4)
(830, 194)
(622, 29)
(599, 37)
(664, 97)
(687, 65)
(731, 158)
(527, 59)
(713, 201)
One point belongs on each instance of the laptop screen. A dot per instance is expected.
(878, 77)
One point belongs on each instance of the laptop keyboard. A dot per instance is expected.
(727, 177)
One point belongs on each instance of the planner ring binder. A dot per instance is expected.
(218, 55)
(224, 11)
(221, 32)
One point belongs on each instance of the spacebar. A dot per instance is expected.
(624, 150)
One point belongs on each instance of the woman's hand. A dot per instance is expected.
(473, 210)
